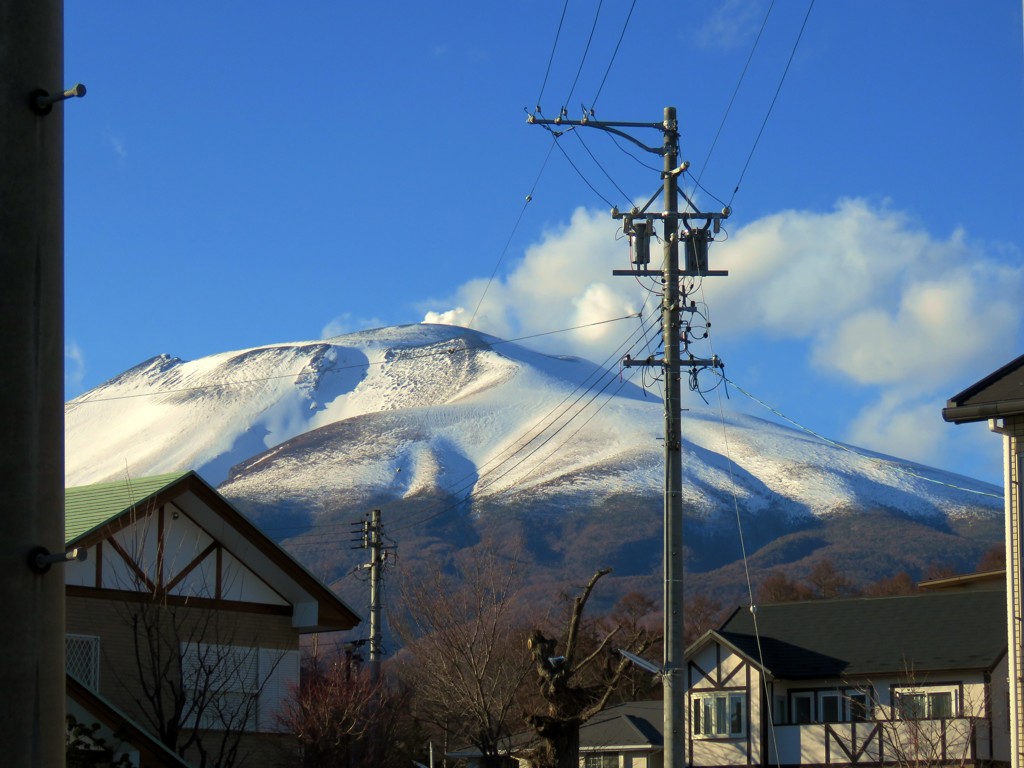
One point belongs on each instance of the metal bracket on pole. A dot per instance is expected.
(40, 559)
(41, 102)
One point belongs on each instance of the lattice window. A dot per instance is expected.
(82, 659)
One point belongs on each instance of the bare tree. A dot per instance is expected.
(900, 584)
(635, 615)
(463, 657)
(575, 684)
(343, 718)
(777, 587)
(826, 582)
(702, 614)
(925, 726)
(191, 679)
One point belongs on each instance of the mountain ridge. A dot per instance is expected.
(458, 434)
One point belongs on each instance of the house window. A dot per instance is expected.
(859, 707)
(779, 716)
(234, 687)
(926, 703)
(803, 708)
(828, 707)
(719, 715)
(82, 659)
(601, 761)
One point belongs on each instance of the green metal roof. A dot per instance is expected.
(88, 507)
(859, 636)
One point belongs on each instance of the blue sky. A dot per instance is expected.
(247, 173)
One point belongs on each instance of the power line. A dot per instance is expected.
(580, 173)
(772, 105)
(897, 467)
(622, 34)
(551, 58)
(597, 162)
(583, 59)
(508, 242)
(736, 90)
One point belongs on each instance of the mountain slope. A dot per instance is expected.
(459, 435)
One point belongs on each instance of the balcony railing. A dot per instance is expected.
(955, 741)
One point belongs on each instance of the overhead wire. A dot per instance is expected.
(551, 58)
(583, 59)
(302, 374)
(771, 106)
(581, 175)
(597, 162)
(888, 463)
(489, 469)
(736, 90)
(508, 241)
(593, 103)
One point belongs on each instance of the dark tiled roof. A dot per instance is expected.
(999, 394)
(634, 724)
(861, 636)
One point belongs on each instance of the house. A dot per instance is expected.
(624, 736)
(860, 681)
(999, 399)
(627, 735)
(184, 619)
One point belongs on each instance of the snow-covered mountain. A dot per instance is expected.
(440, 423)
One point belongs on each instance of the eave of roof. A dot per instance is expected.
(863, 636)
(998, 395)
(156, 752)
(98, 510)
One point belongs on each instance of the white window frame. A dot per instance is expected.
(929, 695)
(712, 714)
(263, 675)
(848, 705)
(601, 760)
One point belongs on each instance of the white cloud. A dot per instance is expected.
(882, 305)
(562, 282)
(345, 323)
(881, 301)
(117, 143)
(731, 23)
(74, 366)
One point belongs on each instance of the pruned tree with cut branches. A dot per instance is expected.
(576, 679)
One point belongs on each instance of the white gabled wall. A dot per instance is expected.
(716, 668)
(184, 541)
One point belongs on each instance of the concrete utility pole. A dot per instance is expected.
(638, 225)
(376, 564)
(32, 385)
(373, 539)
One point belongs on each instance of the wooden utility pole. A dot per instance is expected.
(677, 227)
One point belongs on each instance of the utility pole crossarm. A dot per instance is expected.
(604, 126)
